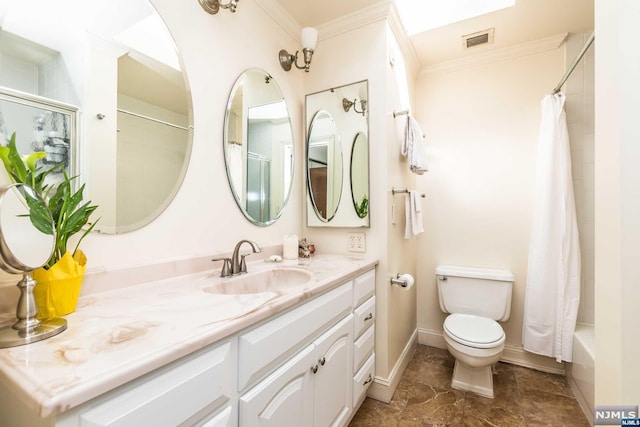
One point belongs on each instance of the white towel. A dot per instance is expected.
(413, 210)
(413, 147)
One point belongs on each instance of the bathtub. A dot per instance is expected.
(580, 372)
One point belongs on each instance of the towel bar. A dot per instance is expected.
(395, 191)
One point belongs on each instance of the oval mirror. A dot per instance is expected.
(258, 147)
(117, 63)
(26, 229)
(324, 165)
(360, 175)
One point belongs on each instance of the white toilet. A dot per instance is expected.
(476, 299)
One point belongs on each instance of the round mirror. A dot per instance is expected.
(258, 147)
(360, 175)
(115, 62)
(324, 165)
(26, 229)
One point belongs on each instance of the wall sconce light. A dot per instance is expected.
(347, 104)
(309, 39)
(213, 6)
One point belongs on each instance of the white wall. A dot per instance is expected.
(617, 201)
(364, 53)
(481, 120)
(402, 256)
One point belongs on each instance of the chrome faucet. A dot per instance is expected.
(239, 266)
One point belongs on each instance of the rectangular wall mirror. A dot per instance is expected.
(337, 156)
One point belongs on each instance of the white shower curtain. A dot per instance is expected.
(553, 277)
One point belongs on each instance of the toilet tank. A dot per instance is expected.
(480, 291)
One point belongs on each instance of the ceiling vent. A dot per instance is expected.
(478, 39)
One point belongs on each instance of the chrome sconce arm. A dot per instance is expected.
(287, 59)
(347, 104)
(213, 6)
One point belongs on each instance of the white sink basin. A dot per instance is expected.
(277, 279)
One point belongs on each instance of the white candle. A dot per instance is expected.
(290, 247)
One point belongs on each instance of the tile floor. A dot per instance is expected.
(424, 397)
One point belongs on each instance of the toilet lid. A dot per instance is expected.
(474, 331)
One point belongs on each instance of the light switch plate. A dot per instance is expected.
(356, 242)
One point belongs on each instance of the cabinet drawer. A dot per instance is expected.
(196, 384)
(267, 346)
(363, 347)
(365, 316)
(363, 379)
(224, 418)
(363, 287)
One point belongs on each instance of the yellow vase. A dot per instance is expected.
(58, 288)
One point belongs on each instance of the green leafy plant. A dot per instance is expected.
(65, 205)
(362, 208)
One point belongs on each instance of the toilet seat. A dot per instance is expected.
(474, 331)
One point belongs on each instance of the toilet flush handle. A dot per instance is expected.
(442, 278)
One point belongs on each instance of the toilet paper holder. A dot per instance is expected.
(398, 281)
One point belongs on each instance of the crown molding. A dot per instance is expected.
(385, 11)
(398, 30)
(375, 13)
(281, 17)
(511, 52)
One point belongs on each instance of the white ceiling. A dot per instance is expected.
(528, 20)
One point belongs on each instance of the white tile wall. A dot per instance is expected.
(580, 120)
(18, 74)
(49, 79)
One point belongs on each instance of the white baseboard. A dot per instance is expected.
(383, 388)
(431, 338)
(586, 409)
(511, 354)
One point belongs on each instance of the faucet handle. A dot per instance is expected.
(226, 266)
(243, 263)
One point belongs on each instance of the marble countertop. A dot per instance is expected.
(116, 336)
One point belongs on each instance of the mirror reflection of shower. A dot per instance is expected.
(268, 144)
(40, 125)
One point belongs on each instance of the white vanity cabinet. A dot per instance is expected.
(307, 366)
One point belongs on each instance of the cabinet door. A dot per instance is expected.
(333, 380)
(284, 398)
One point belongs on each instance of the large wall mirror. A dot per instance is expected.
(115, 62)
(258, 147)
(338, 157)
